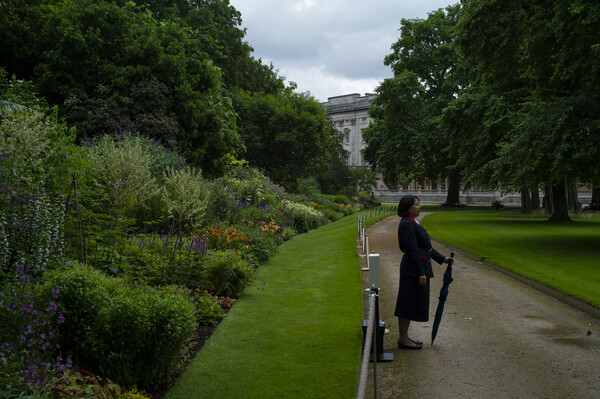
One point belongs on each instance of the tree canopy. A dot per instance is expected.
(504, 93)
(178, 71)
(406, 140)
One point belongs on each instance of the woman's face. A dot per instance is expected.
(415, 209)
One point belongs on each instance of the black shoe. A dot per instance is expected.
(403, 346)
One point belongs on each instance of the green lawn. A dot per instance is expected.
(296, 333)
(565, 256)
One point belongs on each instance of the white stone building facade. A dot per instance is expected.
(350, 117)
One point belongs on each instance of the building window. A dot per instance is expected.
(348, 160)
(347, 135)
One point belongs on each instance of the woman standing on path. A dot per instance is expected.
(415, 270)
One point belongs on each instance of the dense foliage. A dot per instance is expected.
(113, 250)
(179, 72)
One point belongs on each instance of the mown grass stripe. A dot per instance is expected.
(563, 256)
(295, 333)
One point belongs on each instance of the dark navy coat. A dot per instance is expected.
(418, 252)
(413, 299)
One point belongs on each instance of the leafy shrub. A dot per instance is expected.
(208, 310)
(332, 215)
(130, 334)
(368, 200)
(308, 187)
(123, 170)
(160, 260)
(248, 185)
(228, 273)
(220, 202)
(341, 199)
(184, 193)
(31, 232)
(224, 238)
(165, 260)
(305, 217)
(262, 246)
(25, 150)
(83, 384)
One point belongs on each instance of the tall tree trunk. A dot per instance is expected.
(548, 200)
(453, 195)
(526, 208)
(535, 198)
(572, 199)
(561, 210)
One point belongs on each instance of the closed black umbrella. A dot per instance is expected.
(443, 295)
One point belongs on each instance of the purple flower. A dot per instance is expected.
(27, 307)
(55, 291)
(51, 308)
(61, 318)
(28, 330)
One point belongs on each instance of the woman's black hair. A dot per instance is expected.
(405, 203)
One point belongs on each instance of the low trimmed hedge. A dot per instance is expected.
(131, 334)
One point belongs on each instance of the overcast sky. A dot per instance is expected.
(329, 47)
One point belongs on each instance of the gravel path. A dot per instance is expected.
(498, 338)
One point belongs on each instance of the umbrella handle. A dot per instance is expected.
(452, 256)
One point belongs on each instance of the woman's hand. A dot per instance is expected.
(448, 260)
(422, 280)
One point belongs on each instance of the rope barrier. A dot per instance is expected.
(364, 368)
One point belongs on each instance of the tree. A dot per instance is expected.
(87, 54)
(534, 86)
(289, 137)
(392, 139)
(407, 112)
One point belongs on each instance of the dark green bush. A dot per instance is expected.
(227, 272)
(341, 199)
(130, 334)
(262, 246)
(332, 215)
(368, 200)
(305, 217)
